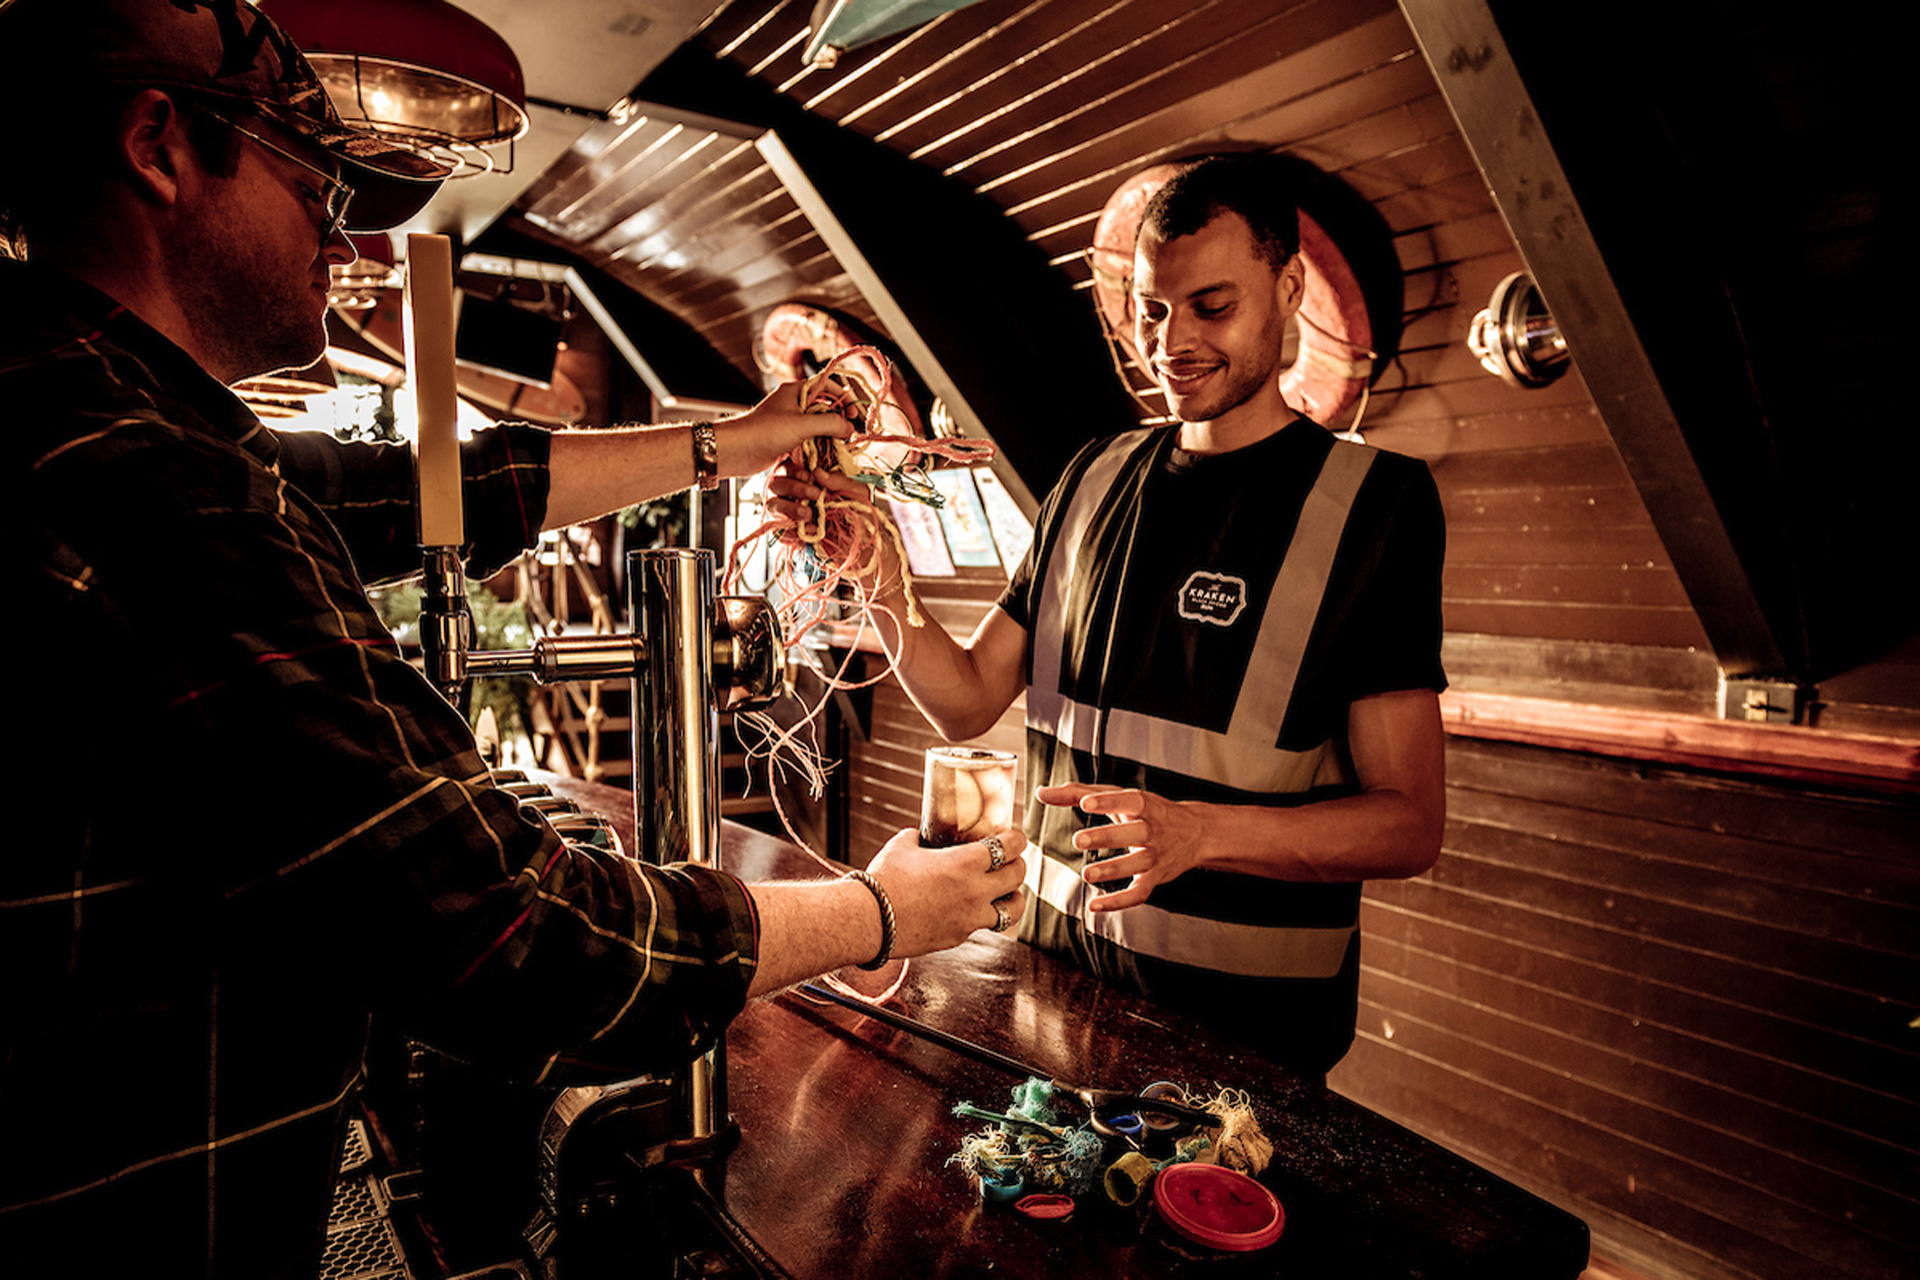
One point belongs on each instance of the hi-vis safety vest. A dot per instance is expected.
(1243, 757)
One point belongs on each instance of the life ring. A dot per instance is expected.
(1334, 361)
(797, 341)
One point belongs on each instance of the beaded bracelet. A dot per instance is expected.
(886, 918)
(706, 457)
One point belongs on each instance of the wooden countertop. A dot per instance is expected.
(846, 1125)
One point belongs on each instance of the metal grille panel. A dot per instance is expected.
(361, 1243)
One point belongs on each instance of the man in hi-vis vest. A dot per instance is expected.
(1228, 631)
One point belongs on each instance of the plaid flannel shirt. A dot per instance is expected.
(250, 827)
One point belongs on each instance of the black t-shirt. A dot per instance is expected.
(1170, 585)
(1176, 515)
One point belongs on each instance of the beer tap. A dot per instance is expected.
(690, 656)
(446, 622)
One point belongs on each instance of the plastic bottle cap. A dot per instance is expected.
(1218, 1207)
(1052, 1207)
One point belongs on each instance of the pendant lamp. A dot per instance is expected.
(838, 26)
(422, 71)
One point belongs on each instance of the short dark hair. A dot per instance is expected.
(1260, 188)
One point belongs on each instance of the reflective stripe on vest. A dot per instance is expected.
(1244, 757)
(1245, 950)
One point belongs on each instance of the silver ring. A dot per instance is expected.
(996, 854)
(1001, 925)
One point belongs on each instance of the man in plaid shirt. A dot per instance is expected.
(252, 827)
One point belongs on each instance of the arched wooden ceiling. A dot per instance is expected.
(964, 164)
(950, 178)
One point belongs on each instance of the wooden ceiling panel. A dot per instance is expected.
(593, 160)
(741, 247)
(1469, 236)
(878, 82)
(1463, 195)
(1043, 107)
(970, 80)
(1419, 167)
(800, 264)
(1411, 170)
(1136, 83)
(754, 33)
(676, 225)
(1066, 244)
(732, 26)
(807, 265)
(1051, 75)
(615, 169)
(649, 192)
(1421, 121)
(1277, 101)
(873, 89)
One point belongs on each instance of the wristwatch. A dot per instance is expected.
(706, 457)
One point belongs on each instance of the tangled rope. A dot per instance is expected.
(1029, 1146)
(834, 560)
(842, 544)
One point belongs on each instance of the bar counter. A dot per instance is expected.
(846, 1126)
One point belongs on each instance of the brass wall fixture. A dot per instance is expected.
(1516, 338)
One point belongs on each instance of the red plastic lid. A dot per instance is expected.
(1218, 1207)
(1050, 1207)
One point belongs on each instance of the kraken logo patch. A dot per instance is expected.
(1217, 598)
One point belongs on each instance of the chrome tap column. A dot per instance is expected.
(676, 802)
(695, 657)
(676, 766)
(690, 655)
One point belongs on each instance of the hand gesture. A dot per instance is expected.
(1159, 839)
(804, 497)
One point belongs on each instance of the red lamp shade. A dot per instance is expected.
(423, 70)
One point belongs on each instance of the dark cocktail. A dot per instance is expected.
(968, 795)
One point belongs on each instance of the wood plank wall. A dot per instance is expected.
(1674, 1002)
(1670, 1004)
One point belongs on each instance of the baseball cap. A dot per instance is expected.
(221, 51)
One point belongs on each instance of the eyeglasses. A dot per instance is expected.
(331, 197)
